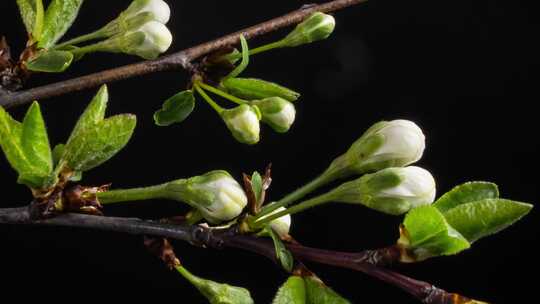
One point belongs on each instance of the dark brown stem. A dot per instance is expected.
(367, 261)
(180, 60)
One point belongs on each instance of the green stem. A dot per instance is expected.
(221, 93)
(296, 195)
(255, 51)
(207, 98)
(135, 194)
(89, 48)
(310, 203)
(83, 38)
(188, 276)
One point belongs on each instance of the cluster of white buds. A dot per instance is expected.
(139, 30)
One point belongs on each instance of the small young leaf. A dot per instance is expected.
(257, 186)
(175, 109)
(93, 114)
(318, 293)
(28, 10)
(293, 291)
(245, 60)
(284, 256)
(57, 153)
(58, 19)
(478, 219)
(50, 62)
(96, 144)
(40, 19)
(428, 234)
(217, 293)
(35, 142)
(26, 147)
(254, 89)
(466, 193)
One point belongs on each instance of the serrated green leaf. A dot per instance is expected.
(51, 62)
(478, 219)
(254, 89)
(175, 109)
(284, 256)
(35, 142)
(318, 293)
(427, 234)
(59, 17)
(257, 186)
(466, 193)
(96, 144)
(217, 293)
(293, 291)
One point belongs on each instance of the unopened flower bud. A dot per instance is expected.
(158, 8)
(316, 27)
(391, 190)
(137, 14)
(395, 143)
(215, 194)
(280, 225)
(243, 122)
(252, 88)
(276, 112)
(148, 41)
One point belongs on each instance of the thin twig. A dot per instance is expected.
(365, 261)
(180, 60)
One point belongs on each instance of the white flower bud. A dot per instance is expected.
(277, 112)
(386, 144)
(153, 38)
(158, 8)
(215, 194)
(243, 122)
(391, 190)
(316, 27)
(280, 225)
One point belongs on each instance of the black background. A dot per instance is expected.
(465, 71)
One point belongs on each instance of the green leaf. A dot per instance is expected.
(245, 60)
(51, 62)
(257, 186)
(96, 144)
(478, 219)
(57, 153)
(284, 256)
(318, 293)
(35, 142)
(427, 233)
(217, 293)
(293, 291)
(93, 114)
(26, 146)
(175, 109)
(39, 22)
(58, 19)
(466, 193)
(254, 89)
(31, 14)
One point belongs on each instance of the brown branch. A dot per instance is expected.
(366, 261)
(180, 60)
